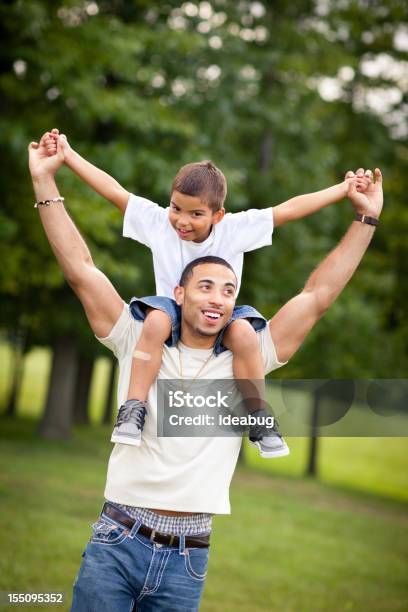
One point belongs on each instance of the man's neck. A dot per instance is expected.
(196, 341)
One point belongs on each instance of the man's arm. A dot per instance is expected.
(103, 305)
(97, 179)
(309, 203)
(293, 322)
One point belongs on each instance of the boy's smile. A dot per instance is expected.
(191, 217)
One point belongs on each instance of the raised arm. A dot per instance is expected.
(309, 203)
(100, 181)
(293, 322)
(101, 302)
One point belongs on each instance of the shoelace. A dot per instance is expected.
(132, 411)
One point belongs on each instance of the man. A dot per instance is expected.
(128, 564)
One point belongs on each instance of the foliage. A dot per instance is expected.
(278, 94)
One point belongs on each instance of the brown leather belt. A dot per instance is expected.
(160, 538)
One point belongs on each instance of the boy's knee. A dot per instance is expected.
(240, 336)
(156, 326)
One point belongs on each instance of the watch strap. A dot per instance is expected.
(366, 219)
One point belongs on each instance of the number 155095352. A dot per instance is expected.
(27, 598)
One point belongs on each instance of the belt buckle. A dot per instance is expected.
(153, 535)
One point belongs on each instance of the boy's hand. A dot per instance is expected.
(370, 201)
(56, 145)
(61, 139)
(357, 183)
(360, 181)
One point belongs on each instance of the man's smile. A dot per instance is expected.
(212, 316)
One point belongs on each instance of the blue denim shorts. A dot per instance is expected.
(138, 307)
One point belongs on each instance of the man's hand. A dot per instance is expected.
(370, 201)
(40, 161)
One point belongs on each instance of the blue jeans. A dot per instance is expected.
(138, 307)
(123, 571)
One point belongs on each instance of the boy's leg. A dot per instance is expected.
(241, 339)
(148, 352)
(146, 362)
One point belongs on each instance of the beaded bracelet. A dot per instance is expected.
(47, 202)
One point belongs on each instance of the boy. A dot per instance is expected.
(195, 225)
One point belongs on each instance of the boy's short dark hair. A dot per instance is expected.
(206, 259)
(202, 180)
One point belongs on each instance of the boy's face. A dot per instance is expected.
(191, 217)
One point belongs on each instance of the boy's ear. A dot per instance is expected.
(217, 216)
(179, 295)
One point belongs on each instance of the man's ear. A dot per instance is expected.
(179, 294)
(218, 216)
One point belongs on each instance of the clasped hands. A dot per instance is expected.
(365, 193)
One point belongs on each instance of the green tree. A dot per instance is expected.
(282, 96)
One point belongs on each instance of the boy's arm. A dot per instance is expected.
(291, 324)
(309, 203)
(99, 180)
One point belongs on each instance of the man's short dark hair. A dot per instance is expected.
(208, 259)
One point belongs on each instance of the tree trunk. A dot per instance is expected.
(57, 419)
(312, 460)
(109, 401)
(82, 389)
(19, 344)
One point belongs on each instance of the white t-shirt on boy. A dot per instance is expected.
(236, 234)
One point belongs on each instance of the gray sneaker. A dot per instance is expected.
(267, 439)
(129, 423)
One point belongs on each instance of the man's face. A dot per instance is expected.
(207, 299)
(191, 217)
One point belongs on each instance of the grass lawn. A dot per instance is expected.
(373, 465)
(291, 544)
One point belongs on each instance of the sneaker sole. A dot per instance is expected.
(283, 452)
(122, 439)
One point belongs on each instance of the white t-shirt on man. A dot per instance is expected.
(235, 235)
(189, 474)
